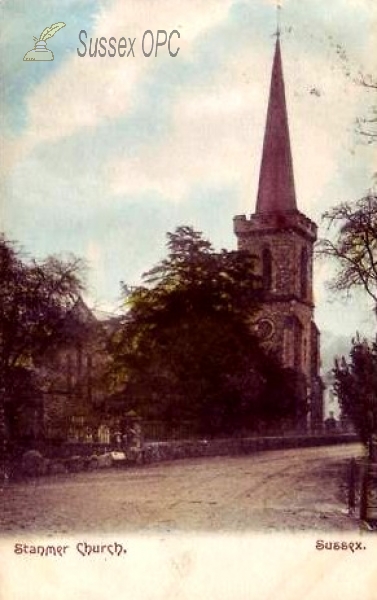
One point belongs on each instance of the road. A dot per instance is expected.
(271, 491)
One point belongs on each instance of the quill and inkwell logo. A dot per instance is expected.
(40, 51)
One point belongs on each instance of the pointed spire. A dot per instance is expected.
(276, 192)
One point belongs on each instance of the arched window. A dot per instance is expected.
(267, 269)
(304, 274)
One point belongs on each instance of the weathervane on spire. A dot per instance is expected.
(278, 17)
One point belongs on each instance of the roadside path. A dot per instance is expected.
(281, 490)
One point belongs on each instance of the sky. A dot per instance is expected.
(102, 156)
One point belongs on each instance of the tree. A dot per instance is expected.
(366, 125)
(355, 244)
(186, 350)
(355, 251)
(355, 247)
(356, 388)
(35, 298)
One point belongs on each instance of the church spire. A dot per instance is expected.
(276, 192)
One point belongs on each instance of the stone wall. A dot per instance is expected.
(80, 457)
(162, 451)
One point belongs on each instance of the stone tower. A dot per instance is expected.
(282, 238)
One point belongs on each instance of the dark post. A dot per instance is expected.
(3, 441)
(364, 494)
(352, 486)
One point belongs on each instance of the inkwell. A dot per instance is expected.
(40, 51)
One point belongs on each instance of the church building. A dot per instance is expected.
(282, 239)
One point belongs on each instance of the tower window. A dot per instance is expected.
(297, 341)
(293, 342)
(267, 269)
(304, 273)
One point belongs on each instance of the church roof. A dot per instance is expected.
(276, 191)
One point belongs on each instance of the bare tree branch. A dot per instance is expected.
(354, 246)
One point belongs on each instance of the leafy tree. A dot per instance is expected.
(35, 298)
(354, 248)
(356, 388)
(186, 349)
(355, 244)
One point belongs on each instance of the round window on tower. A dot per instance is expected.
(265, 329)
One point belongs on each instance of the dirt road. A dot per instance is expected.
(280, 490)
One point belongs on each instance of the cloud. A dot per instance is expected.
(114, 152)
(85, 91)
(205, 145)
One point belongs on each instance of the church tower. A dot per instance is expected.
(282, 239)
